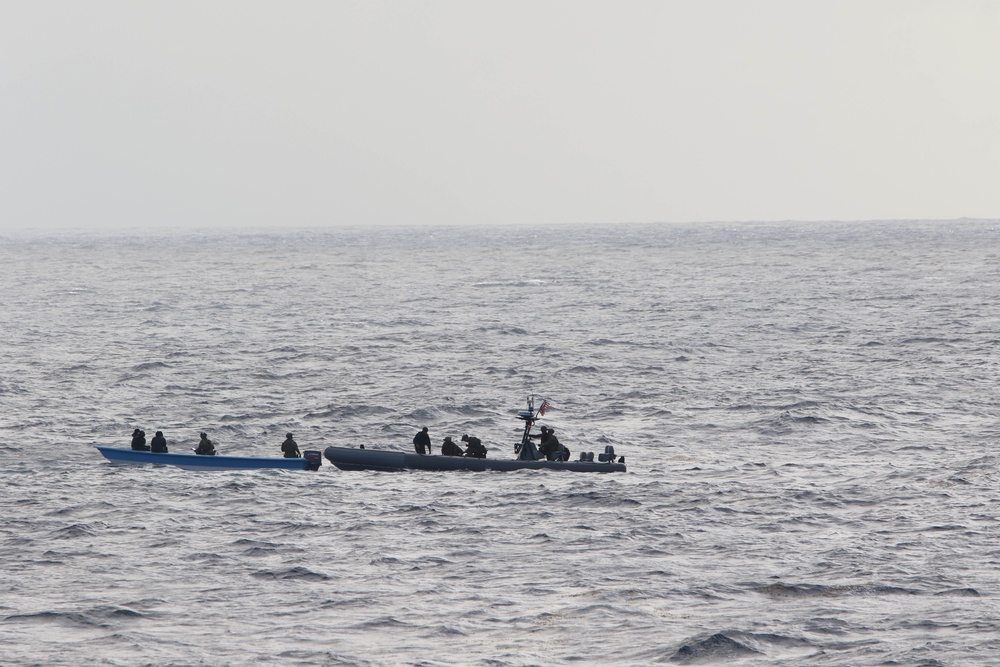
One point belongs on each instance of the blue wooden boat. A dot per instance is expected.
(311, 460)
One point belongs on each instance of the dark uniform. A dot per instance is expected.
(205, 446)
(422, 442)
(475, 447)
(553, 449)
(159, 443)
(139, 440)
(550, 446)
(449, 448)
(290, 448)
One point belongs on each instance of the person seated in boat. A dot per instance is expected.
(205, 446)
(422, 442)
(552, 448)
(159, 443)
(543, 439)
(474, 448)
(549, 444)
(290, 448)
(139, 440)
(449, 448)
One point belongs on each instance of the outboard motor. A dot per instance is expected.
(608, 456)
(314, 459)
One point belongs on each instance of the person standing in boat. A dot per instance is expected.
(449, 448)
(422, 442)
(139, 440)
(159, 443)
(290, 448)
(475, 447)
(205, 446)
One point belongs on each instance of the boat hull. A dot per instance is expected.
(121, 456)
(347, 458)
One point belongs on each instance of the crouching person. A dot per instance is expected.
(474, 447)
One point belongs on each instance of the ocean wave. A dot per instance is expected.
(291, 574)
(779, 590)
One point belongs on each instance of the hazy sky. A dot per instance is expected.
(211, 114)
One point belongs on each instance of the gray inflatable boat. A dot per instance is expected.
(528, 457)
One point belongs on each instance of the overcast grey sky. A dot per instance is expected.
(246, 113)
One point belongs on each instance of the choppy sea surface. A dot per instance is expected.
(810, 414)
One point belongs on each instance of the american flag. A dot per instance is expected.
(545, 406)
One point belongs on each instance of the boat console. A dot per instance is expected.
(527, 451)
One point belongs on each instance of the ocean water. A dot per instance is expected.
(810, 414)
